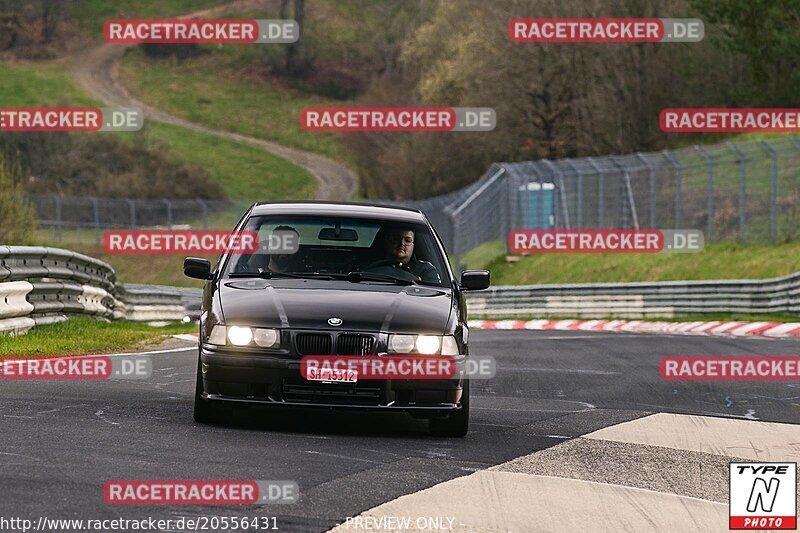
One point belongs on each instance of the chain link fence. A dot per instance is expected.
(61, 214)
(747, 192)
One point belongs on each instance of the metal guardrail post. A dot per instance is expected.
(204, 207)
(742, 188)
(132, 206)
(561, 190)
(710, 193)
(579, 190)
(454, 214)
(678, 167)
(773, 192)
(58, 216)
(169, 212)
(453, 218)
(507, 203)
(627, 191)
(652, 171)
(96, 213)
(601, 215)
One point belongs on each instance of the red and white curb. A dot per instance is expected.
(724, 329)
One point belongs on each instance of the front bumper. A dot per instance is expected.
(274, 379)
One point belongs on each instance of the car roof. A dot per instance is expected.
(348, 209)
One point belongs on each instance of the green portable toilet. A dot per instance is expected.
(537, 205)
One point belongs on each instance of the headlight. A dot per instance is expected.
(449, 345)
(266, 338)
(240, 336)
(402, 343)
(217, 335)
(423, 344)
(187, 319)
(428, 344)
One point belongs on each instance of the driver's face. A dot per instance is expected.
(400, 245)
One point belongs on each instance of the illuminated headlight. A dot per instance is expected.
(242, 336)
(423, 344)
(239, 335)
(187, 319)
(428, 344)
(266, 338)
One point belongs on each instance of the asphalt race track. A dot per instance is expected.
(62, 440)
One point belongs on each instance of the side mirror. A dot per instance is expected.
(195, 267)
(475, 280)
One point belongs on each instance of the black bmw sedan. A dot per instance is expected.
(333, 279)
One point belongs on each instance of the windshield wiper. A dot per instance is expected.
(265, 274)
(354, 277)
(357, 277)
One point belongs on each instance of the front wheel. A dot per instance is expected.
(457, 423)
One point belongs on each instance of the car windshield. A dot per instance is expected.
(352, 249)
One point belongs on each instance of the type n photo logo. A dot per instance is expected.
(763, 496)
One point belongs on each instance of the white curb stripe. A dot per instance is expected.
(782, 330)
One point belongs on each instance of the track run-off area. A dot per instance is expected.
(577, 430)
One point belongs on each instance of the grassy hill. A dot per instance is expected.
(717, 261)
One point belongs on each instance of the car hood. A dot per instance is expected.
(308, 304)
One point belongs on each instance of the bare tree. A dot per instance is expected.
(52, 11)
(292, 65)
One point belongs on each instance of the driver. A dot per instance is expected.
(398, 248)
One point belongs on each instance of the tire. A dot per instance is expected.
(457, 423)
(205, 412)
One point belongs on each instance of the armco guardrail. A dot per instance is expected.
(639, 299)
(42, 285)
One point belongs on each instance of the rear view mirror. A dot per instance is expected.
(337, 234)
(475, 280)
(196, 267)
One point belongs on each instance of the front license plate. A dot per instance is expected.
(332, 375)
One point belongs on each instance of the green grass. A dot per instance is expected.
(718, 261)
(40, 84)
(245, 172)
(84, 335)
(216, 89)
(481, 256)
(92, 14)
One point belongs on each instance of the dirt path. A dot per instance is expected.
(97, 70)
